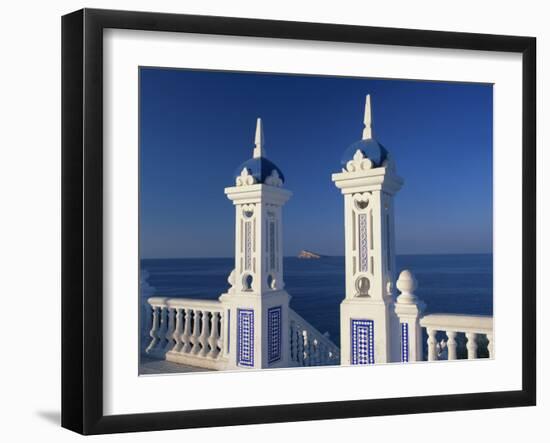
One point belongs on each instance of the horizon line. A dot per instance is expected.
(322, 255)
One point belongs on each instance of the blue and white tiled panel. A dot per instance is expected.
(362, 342)
(274, 334)
(245, 337)
(363, 244)
(404, 342)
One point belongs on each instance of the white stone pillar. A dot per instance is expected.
(368, 324)
(409, 310)
(256, 307)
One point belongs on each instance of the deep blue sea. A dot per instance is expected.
(453, 283)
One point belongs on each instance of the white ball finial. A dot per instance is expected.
(406, 283)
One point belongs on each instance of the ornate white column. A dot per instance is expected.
(368, 324)
(256, 305)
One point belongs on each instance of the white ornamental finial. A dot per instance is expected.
(406, 283)
(367, 132)
(259, 140)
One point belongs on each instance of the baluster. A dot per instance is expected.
(292, 341)
(186, 336)
(196, 331)
(146, 319)
(163, 327)
(312, 351)
(432, 351)
(170, 329)
(471, 345)
(178, 331)
(307, 352)
(451, 345)
(490, 345)
(221, 336)
(329, 356)
(441, 348)
(295, 344)
(205, 334)
(334, 356)
(154, 330)
(322, 352)
(315, 353)
(213, 340)
(298, 340)
(299, 346)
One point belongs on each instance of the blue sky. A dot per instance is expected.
(197, 127)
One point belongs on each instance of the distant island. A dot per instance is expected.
(308, 254)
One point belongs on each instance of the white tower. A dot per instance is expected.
(368, 325)
(256, 303)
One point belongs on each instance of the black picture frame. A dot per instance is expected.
(82, 220)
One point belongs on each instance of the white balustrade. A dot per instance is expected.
(191, 332)
(308, 347)
(187, 331)
(472, 326)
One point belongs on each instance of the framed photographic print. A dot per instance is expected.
(269, 221)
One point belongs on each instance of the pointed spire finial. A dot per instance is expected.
(367, 131)
(259, 150)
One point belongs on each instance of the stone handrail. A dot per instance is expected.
(451, 324)
(308, 347)
(187, 331)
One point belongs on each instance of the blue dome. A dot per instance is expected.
(370, 148)
(260, 168)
